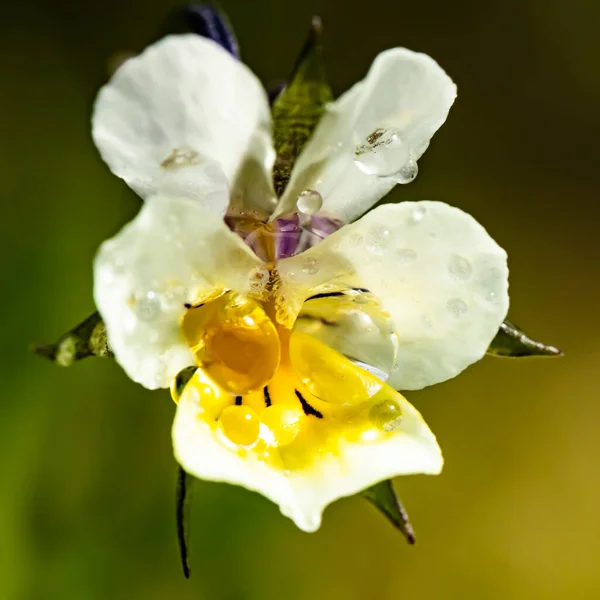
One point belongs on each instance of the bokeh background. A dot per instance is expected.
(86, 469)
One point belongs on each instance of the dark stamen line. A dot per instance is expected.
(238, 400)
(307, 408)
(188, 305)
(364, 290)
(325, 295)
(267, 396)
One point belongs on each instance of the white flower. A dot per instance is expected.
(299, 356)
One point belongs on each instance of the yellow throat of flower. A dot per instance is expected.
(279, 393)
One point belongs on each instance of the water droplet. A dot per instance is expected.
(407, 173)
(240, 424)
(406, 256)
(234, 341)
(355, 325)
(147, 307)
(310, 266)
(417, 214)
(491, 296)
(457, 307)
(180, 381)
(459, 268)
(386, 415)
(383, 153)
(309, 202)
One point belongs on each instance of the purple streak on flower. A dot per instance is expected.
(288, 234)
(283, 237)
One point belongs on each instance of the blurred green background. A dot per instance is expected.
(87, 492)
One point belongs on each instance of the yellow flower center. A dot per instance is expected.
(282, 394)
(234, 341)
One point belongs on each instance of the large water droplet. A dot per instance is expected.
(240, 424)
(147, 307)
(355, 325)
(459, 268)
(407, 173)
(309, 202)
(383, 153)
(234, 341)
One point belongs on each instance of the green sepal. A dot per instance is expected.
(183, 496)
(513, 342)
(86, 339)
(299, 107)
(384, 497)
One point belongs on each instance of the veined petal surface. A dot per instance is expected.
(437, 272)
(182, 102)
(387, 119)
(326, 462)
(174, 252)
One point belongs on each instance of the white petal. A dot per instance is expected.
(404, 92)
(172, 253)
(438, 273)
(185, 101)
(303, 494)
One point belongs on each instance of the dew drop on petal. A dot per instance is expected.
(180, 381)
(407, 173)
(459, 268)
(353, 324)
(386, 415)
(309, 202)
(147, 307)
(310, 266)
(383, 153)
(457, 307)
(240, 424)
(234, 342)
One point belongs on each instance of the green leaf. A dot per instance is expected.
(86, 339)
(298, 109)
(512, 341)
(183, 495)
(383, 496)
